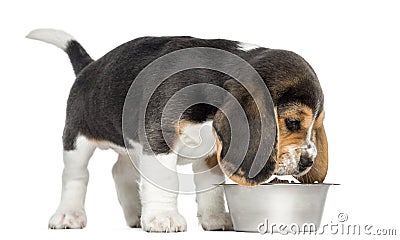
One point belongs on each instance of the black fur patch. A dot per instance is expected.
(78, 56)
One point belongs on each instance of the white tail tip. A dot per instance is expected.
(56, 37)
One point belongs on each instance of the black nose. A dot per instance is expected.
(305, 162)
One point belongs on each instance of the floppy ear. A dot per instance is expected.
(238, 141)
(320, 167)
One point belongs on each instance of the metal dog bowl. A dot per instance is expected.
(271, 207)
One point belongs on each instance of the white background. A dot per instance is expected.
(353, 47)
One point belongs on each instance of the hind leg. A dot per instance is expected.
(126, 182)
(75, 177)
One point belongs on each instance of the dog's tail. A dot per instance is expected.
(76, 53)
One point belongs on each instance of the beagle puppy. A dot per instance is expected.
(97, 106)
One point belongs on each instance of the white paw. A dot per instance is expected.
(68, 220)
(216, 221)
(163, 222)
(133, 221)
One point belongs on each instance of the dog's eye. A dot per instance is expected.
(292, 124)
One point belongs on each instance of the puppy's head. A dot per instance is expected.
(300, 145)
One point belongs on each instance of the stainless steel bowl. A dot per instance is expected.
(271, 207)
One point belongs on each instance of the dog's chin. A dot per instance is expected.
(284, 169)
(301, 173)
(287, 166)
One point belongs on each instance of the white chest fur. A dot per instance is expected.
(195, 141)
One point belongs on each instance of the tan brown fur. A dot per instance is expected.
(182, 124)
(320, 167)
(285, 137)
(211, 161)
(242, 180)
(277, 138)
(219, 146)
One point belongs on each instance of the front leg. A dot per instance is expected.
(158, 192)
(210, 198)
